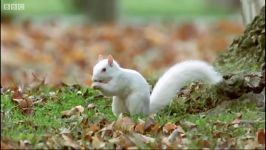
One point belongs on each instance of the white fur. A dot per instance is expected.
(130, 90)
(176, 78)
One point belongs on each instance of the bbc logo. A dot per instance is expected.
(14, 7)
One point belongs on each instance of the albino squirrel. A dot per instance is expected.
(130, 90)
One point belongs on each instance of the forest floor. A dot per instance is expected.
(47, 102)
(78, 117)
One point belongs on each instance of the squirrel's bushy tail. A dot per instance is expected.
(177, 77)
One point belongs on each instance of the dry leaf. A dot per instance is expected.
(91, 106)
(144, 138)
(124, 123)
(97, 143)
(237, 121)
(190, 124)
(251, 145)
(140, 128)
(69, 142)
(169, 127)
(77, 110)
(149, 122)
(25, 104)
(261, 136)
(155, 128)
(94, 128)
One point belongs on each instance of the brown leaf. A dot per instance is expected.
(144, 138)
(149, 123)
(251, 145)
(85, 123)
(94, 128)
(25, 104)
(155, 128)
(261, 136)
(97, 143)
(68, 141)
(140, 140)
(77, 110)
(17, 95)
(204, 143)
(7, 143)
(107, 131)
(124, 123)
(174, 136)
(219, 124)
(169, 127)
(139, 128)
(6, 146)
(51, 142)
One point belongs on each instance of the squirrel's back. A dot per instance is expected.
(136, 81)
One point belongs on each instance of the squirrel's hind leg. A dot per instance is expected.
(118, 106)
(138, 103)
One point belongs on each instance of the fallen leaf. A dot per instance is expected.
(69, 142)
(149, 122)
(190, 125)
(204, 143)
(91, 106)
(97, 143)
(237, 121)
(77, 110)
(169, 127)
(124, 123)
(94, 128)
(107, 131)
(24, 143)
(25, 104)
(155, 128)
(140, 128)
(261, 136)
(251, 145)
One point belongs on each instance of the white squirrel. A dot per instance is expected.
(131, 92)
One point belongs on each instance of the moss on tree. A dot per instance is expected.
(243, 69)
(247, 52)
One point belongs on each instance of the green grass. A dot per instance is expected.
(47, 116)
(169, 8)
(129, 8)
(206, 122)
(47, 119)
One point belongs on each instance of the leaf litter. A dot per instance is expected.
(80, 131)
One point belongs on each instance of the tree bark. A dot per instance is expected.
(247, 52)
(103, 11)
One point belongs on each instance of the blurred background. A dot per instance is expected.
(60, 40)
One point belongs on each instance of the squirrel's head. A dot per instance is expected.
(105, 69)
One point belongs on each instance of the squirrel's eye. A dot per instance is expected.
(104, 69)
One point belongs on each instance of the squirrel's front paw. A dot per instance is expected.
(96, 85)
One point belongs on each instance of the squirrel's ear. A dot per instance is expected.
(100, 57)
(110, 60)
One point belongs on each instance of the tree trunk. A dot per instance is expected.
(243, 64)
(243, 69)
(247, 52)
(103, 11)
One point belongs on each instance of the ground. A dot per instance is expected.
(225, 126)
(40, 115)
